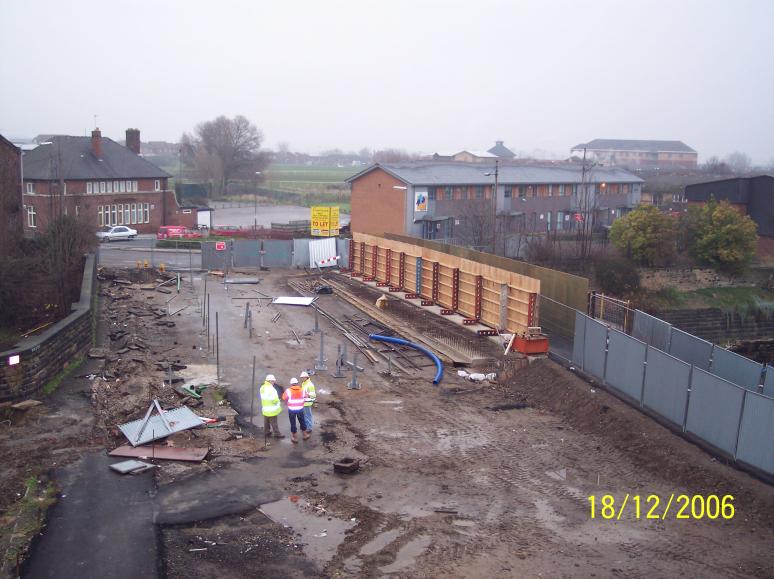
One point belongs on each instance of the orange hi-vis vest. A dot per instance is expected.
(295, 398)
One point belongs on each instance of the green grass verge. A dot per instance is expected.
(24, 519)
(54, 383)
(729, 298)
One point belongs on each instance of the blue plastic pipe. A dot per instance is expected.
(425, 351)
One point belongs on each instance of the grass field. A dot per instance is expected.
(309, 185)
(725, 298)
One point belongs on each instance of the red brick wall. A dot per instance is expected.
(377, 208)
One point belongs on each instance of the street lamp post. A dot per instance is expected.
(496, 174)
(255, 204)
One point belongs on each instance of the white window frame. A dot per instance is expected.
(32, 216)
(135, 188)
(134, 213)
(102, 187)
(157, 185)
(109, 185)
(113, 215)
(116, 185)
(122, 186)
(31, 189)
(120, 215)
(77, 210)
(146, 212)
(127, 214)
(89, 188)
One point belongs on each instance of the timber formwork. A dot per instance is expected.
(500, 299)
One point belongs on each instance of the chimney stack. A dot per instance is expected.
(133, 140)
(96, 143)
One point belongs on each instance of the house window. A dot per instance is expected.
(448, 193)
(122, 186)
(548, 220)
(507, 191)
(134, 213)
(32, 217)
(64, 192)
(77, 210)
(559, 219)
(120, 215)
(134, 186)
(109, 186)
(430, 193)
(127, 213)
(575, 189)
(102, 187)
(114, 216)
(116, 186)
(30, 189)
(100, 216)
(146, 212)
(561, 190)
(89, 188)
(522, 191)
(479, 191)
(157, 186)
(550, 190)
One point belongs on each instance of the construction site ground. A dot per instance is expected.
(461, 479)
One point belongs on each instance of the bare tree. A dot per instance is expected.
(739, 162)
(475, 223)
(715, 166)
(224, 149)
(393, 156)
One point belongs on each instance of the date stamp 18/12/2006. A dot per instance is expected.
(653, 506)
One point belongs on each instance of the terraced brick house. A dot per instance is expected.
(100, 180)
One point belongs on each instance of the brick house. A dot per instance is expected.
(435, 200)
(10, 196)
(99, 180)
(639, 154)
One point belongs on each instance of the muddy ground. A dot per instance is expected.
(458, 480)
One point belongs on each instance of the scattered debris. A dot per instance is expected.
(132, 467)
(26, 404)
(161, 425)
(160, 452)
(346, 466)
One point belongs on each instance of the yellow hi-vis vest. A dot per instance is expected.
(270, 402)
(310, 395)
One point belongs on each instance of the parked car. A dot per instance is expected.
(177, 232)
(167, 231)
(116, 232)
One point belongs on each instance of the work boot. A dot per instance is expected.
(293, 437)
(279, 435)
(307, 435)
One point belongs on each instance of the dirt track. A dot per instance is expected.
(459, 480)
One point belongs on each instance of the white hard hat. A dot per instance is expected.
(304, 374)
(271, 378)
(294, 380)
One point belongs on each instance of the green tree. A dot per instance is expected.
(646, 235)
(617, 276)
(725, 239)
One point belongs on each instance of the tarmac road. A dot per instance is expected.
(128, 253)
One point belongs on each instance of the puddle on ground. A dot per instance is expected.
(407, 554)
(380, 542)
(320, 536)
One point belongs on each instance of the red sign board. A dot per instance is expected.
(578, 217)
(220, 245)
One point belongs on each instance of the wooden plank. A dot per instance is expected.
(161, 452)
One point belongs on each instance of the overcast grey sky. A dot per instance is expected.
(422, 75)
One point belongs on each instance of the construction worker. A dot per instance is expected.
(310, 396)
(294, 396)
(270, 407)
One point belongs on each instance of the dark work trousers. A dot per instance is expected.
(270, 424)
(298, 414)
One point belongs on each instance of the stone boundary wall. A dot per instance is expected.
(691, 279)
(44, 356)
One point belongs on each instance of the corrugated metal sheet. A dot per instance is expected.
(736, 368)
(757, 433)
(625, 364)
(666, 386)
(714, 408)
(301, 252)
(179, 419)
(322, 249)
